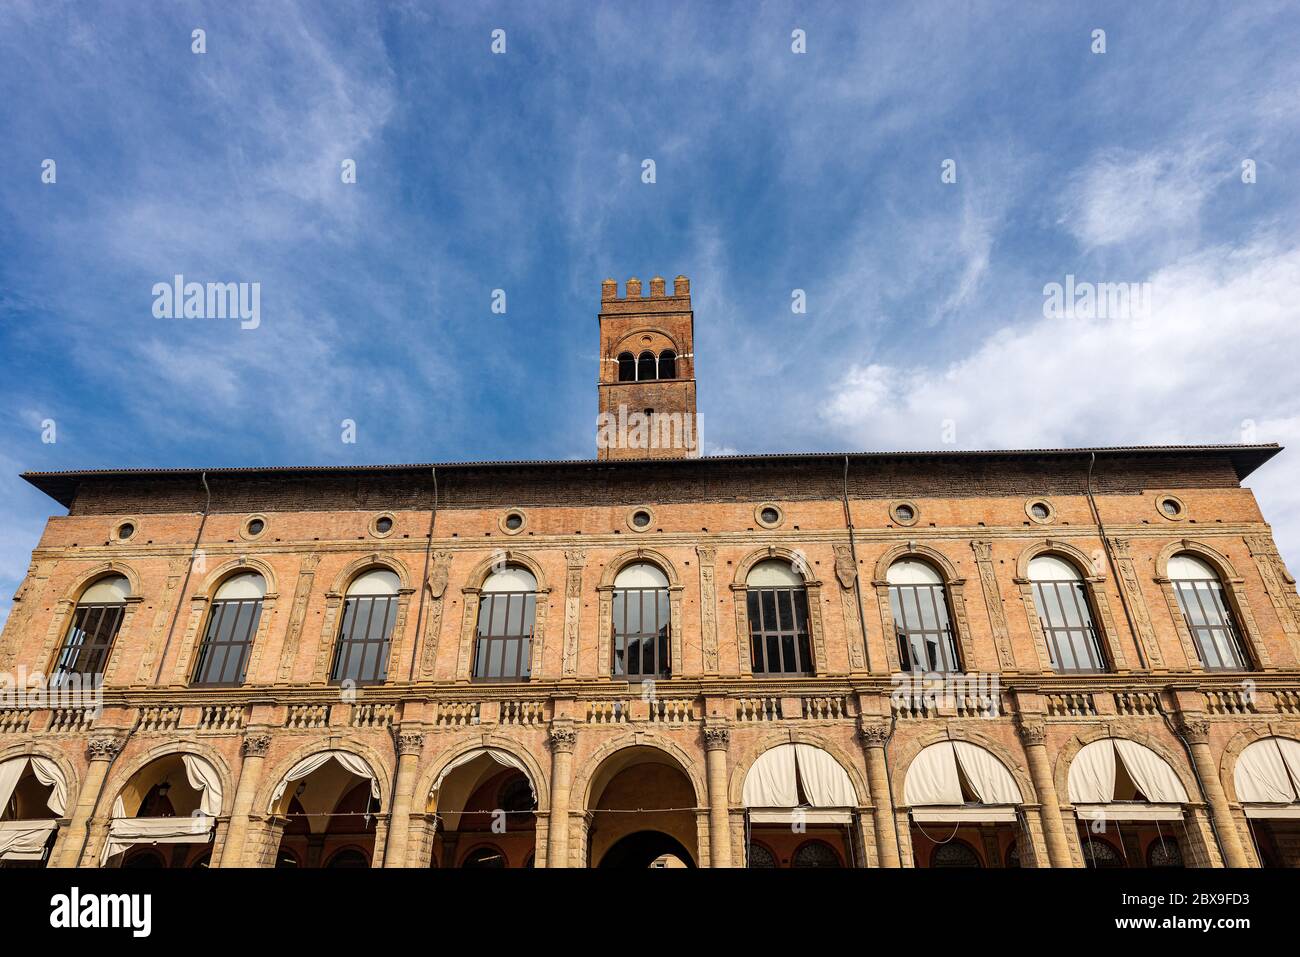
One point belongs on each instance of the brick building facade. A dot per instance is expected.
(1044, 658)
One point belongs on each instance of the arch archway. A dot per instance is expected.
(166, 808)
(485, 797)
(643, 849)
(638, 789)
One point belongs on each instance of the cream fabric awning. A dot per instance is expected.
(1129, 811)
(123, 832)
(502, 757)
(1093, 771)
(24, 840)
(46, 771)
(804, 815)
(1268, 772)
(933, 780)
(307, 765)
(772, 781)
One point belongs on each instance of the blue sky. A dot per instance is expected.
(521, 171)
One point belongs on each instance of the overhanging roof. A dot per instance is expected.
(62, 486)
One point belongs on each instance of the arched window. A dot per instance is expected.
(760, 857)
(778, 619)
(1164, 852)
(1205, 608)
(1099, 853)
(507, 612)
(232, 623)
(95, 623)
(645, 366)
(626, 367)
(641, 623)
(815, 854)
(369, 612)
(348, 858)
(484, 857)
(920, 604)
(668, 364)
(1065, 614)
(954, 854)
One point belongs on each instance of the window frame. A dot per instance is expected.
(525, 638)
(216, 616)
(1226, 625)
(761, 638)
(946, 632)
(62, 666)
(661, 638)
(346, 640)
(1054, 634)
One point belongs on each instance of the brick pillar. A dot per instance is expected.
(101, 752)
(561, 741)
(873, 738)
(250, 774)
(1196, 732)
(1033, 734)
(716, 740)
(409, 746)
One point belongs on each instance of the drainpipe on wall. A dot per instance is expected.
(180, 597)
(428, 550)
(1110, 563)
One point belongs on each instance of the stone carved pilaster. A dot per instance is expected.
(890, 630)
(1132, 589)
(468, 623)
(562, 739)
(847, 575)
(717, 739)
(437, 585)
(574, 559)
(162, 617)
(328, 631)
(297, 615)
(993, 603)
(1279, 584)
(709, 609)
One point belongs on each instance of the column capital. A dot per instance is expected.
(873, 734)
(255, 745)
(408, 742)
(104, 748)
(1032, 730)
(562, 739)
(717, 738)
(1194, 728)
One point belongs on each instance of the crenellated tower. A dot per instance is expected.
(646, 382)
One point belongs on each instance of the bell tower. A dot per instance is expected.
(646, 382)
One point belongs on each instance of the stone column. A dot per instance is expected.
(562, 740)
(1033, 735)
(716, 740)
(874, 737)
(101, 752)
(254, 751)
(409, 746)
(1196, 731)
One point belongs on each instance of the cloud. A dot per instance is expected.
(1214, 362)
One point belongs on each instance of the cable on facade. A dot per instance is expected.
(180, 596)
(424, 582)
(1110, 562)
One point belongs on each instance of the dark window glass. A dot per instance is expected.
(904, 513)
(1164, 852)
(645, 366)
(668, 364)
(361, 654)
(125, 530)
(1099, 853)
(1066, 617)
(504, 640)
(255, 526)
(1170, 507)
(223, 656)
(778, 631)
(348, 859)
(1205, 608)
(761, 857)
(954, 854)
(641, 519)
(925, 637)
(626, 367)
(641, 633)
(815, 854)
(89, 640)
(1039, 510)
(383, 525)
(770, 515)
(514, 521)
(484, 857)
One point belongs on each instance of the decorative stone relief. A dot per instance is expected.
(297, 615)
(993, 603)
(847, 575)
(709, 609)
(1132, 589)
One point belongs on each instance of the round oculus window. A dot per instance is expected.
(1171, 507)
(641, 518)
(904, 513)
(514, 521)
(383, 525)
(770, 515)
(256, 526)
(1040, 511)
(125, 530)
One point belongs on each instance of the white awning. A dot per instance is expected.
(1093, 772)
(504, 758)
(1268, 772)
(982, 814)
(933, 779)
(45, 770)
(123, 832)
(24, 840)
(1263, 812)
(1125, 811)
(804, 815)
(307, 765)
(773, 780)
